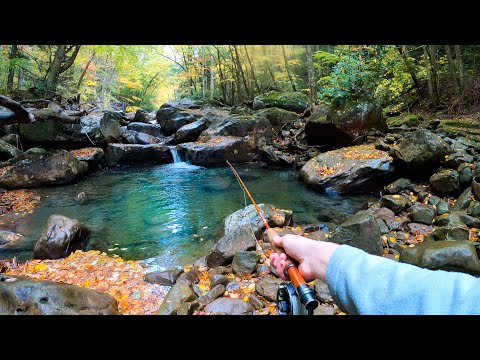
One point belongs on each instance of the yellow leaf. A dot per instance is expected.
(245, 298)
(40, 267)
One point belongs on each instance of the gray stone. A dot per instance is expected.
(396, 203)
(9, 238)
(8, 151)
(443, 207)
(244, 262)
(324, 310)
(110, 128)
(24, 296)
(475, 189)
(167, 277)
(268, 287)
(178, 294)
(290, 101)
(445, 255)
(150, 129)
(229, 306)
(398, 185)
(360, 231)
(206, 299)
(422, 213)
(129, 153)
(256, 303)
(223, 251)
(217, 279)
(474, 209)
(190, 132)
(322, 292)
(61, 237)
(445, 182)
(464, 200)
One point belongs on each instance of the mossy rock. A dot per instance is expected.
(277, 116)
(404, 119)
(466, 127)
(291, 101)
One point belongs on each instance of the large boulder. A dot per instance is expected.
(444, 255)
(150, 129)
(90, 154)
(129, 153)
(8, 151)
(249, 218)
(239, 126)
(141, 116)
(445, 182)
(344, 123)
(171, 124)
(421, 213)
(139, 138)
(421, 151)
(229, 306)
(179, 293)
(361, 231)
(244, 262)
(110, 128)
(278, 117)
(58, 168)
(24, 296)
(190, 132)
(217, 150)
(90, 125)
(61, 237)
(170, 109)
(291, 101)
(348, 170)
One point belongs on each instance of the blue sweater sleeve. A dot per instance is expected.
(361, 283)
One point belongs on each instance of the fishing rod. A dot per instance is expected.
(286, 293)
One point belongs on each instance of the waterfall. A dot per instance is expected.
(176, 157)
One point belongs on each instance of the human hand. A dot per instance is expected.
(313, 256)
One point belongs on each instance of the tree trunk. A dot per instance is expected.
(11, 67)
(239, 65)
(288, 69)
(20, 114)
(212, 76)
(451, 68)
(237, 75)
(432, 50)
(410, 68)
(85, 70)
(459, 57)
(311, 79)
(222, 78)
(431, 91)
(252, 70)
(60, 64)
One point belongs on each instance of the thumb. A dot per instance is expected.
(278, 240)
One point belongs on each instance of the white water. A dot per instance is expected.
(178, 163)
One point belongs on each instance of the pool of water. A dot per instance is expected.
(171, 212)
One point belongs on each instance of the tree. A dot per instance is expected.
(11, 67)
(288, 68)
(311, 76)
(459, 57)
(61, 63)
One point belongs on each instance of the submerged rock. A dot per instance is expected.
(9, 238)
(353, 169)
(61, 237)
(24, 296)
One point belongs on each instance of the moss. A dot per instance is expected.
(277, 116)
(291, 101)
(467, 127)
(404, 119)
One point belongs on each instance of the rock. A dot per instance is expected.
(456, 159)
(90, 154)
(396, 223)
(291, 101)
(167, 111)
(278, 117)
(244, 262)
(474, 209)
(445, 255)
(179, 293)
(406, 119)
(267, 286)
(317, 235)
(218, 150)
(470, 221)
(110, 128)
(150, 129)
(256, 303)
(398, 185)
(190, 132)
(179, 119)
(239, 126)
(355, 174)
(12, 139)
(24, 296)
(217, 279)
(360, 231)
(248, 218)
(382, 226)
(344, 123)
(383, 213)
(141, 116)
(9, 238)
(462, 203)
(58, 168)
(219, 270)
(475, 187)
(135, 137)
(229, 306)
(452, 231)
(322, 292)
(36, 151)
(381, 145)
(434, 200)
(262, 269)
(216, 292)
(61, 237)
(443, 207)
(198, 291)
(127, 153)
(189, 277)
(396, 203)
(226, 247)
(421, 151)
(465, 174)
(445, 182)
(167, 277)
(422, 229)
(82, 198)
(324, 310)
(8, 151)
(422, 213)
(448, 219)
(187, 308)
(232, 286)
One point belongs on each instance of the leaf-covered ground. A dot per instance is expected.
(95, 270)
(85, 152)
(18, 201)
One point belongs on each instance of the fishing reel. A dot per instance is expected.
(288, 301)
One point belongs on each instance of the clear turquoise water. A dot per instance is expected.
(171, 212)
